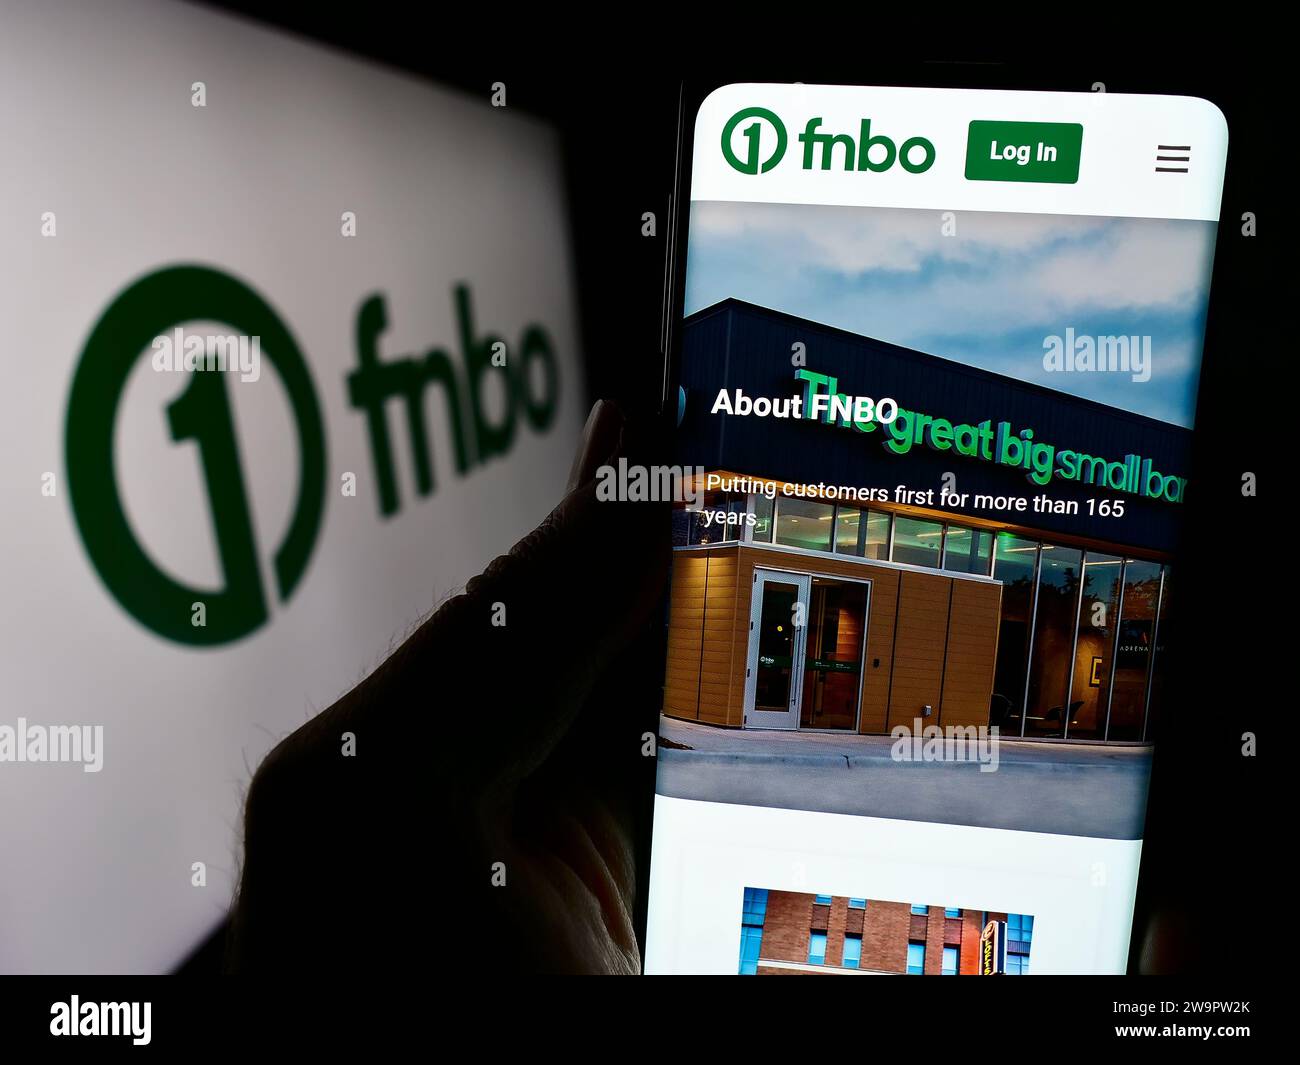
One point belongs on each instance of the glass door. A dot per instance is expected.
(837, 633)
(778, 626)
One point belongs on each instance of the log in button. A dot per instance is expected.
(1024, 151)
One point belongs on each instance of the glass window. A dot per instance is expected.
(917, 542)
(949, 961)
(877, 547)
(920, 909)
(709, 525)
(1020, 934)
(755, 909)
(1020, 931)
(697, 532)
(823, 900)
(751, 945)
(683, 519)
(850, 531)
(857, 904)
(1160, 680)
(1137, 621)
(967, 550)
(753, 914)
(1094, 647)
(1054, 622)
(852, 951)
(804, 523)
(1014, 564)
(916, 959)
(861, 532)
(763, 511)
(816, 948)
(951, 911)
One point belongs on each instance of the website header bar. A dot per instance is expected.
(1099, 154)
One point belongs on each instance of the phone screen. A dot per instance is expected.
(936, 377)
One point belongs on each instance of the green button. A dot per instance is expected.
(1024, 151)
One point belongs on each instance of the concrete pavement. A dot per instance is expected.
(1065, 788)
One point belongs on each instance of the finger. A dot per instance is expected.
(452, 720)
(532, 634)
(488, 684)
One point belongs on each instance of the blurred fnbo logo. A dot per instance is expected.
(202, 416)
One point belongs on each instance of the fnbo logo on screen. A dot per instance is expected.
(759, 131)
(202, 415)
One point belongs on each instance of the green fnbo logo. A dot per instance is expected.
(753, 135)
(202, 414)
(864, 152)
(525, 378)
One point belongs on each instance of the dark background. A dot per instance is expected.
(613, 92)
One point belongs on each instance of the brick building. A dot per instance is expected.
(790, 933)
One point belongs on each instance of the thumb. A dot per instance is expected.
(474, 700)
(507, 665)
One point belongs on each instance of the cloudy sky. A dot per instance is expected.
(987, 296)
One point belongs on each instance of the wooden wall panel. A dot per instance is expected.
(716, 673)
(919, 646)
(972, 652)
(740, 637)
(880, 648)
(685, 635)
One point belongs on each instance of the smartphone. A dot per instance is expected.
(935, 355)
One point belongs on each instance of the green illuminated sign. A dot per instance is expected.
(997, 442)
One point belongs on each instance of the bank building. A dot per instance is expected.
(825, 609)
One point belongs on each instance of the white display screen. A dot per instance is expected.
(199, 555)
